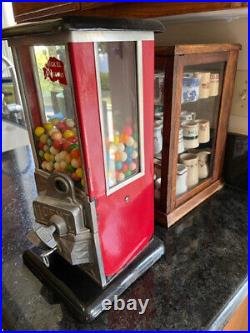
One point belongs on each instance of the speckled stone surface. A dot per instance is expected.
(205, 264)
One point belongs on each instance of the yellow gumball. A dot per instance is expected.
(48, 126)
(117, 138)
(43, 138)
(47, 157)
(79, 172)
(39, 131)
(68, 134)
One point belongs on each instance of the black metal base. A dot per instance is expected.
(80, 293)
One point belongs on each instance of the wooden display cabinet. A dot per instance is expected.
(193, 94)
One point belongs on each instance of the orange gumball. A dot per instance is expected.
(118, 156)
(75, 153)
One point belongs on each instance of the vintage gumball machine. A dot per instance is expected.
(87, 87)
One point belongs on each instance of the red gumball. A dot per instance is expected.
(72, 139)
(40, 145)
(66, 144)
(62, 126)
(57, 144)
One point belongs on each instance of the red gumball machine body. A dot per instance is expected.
(87, 86)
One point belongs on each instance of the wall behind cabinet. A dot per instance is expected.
(202, 29)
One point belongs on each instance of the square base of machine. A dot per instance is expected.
(77, 290)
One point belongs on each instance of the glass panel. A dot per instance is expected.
(56, 138)
(200, 105)
(118, 83)
(158, 113)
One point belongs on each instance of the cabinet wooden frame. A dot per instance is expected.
(173, 60)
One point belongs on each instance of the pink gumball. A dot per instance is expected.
(132, 166)
(125, 167)
(128, 130)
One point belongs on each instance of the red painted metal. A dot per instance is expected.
(125, 228)
(30, 86)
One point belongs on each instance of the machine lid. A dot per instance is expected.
(70, 23)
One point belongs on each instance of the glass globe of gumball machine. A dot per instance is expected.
(87, 87)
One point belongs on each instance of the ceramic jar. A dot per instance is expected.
(214, 84)
(181, 179)
(204, 130)
(180, 142)
(203, 164)
(191, 162)
(190, 89)
(190, 134)
(158, 137)
(204, 87)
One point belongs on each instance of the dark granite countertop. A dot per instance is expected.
(197, 285)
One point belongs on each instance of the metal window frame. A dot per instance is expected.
(140, 109)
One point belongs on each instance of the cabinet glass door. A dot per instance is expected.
(200, 105)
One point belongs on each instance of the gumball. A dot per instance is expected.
(66, 145)
(52, 131)
(39, 131)
(57, 166)
(118, 165)
(58, 157)
(130, 141)
(72, 139)
(128, 130)
(50, 166)
(48, 126)
(41, 153)
(75, 163)
(44, 165)
(52, 158)
(41, 145)
(129, 150)
(120, 147)
(121, 176)
(134, 155)
(70, 169)
(67, 134)
(75, 153)
(118, 156)
(124, 156)
(62, 126)
(70, 123)
(79, 172)
(124, 167)
(53, 150)
(47, 156)
(67, 158)
(128, 173)
(129, 160)
(49, 142)
(56, 135)
(132, 166)
(125, 138)
(63, 154)
(75, 177)
(43, 138)
(63, 165)
(45, 148)
(73, 146)
(117, 138)
(57, 144)
(112, 148)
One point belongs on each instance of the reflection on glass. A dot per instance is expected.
(118, 83)
(200, 101)
(56, 138)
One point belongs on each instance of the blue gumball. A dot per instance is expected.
(129, 160)
(118, 165)
(129, 150)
